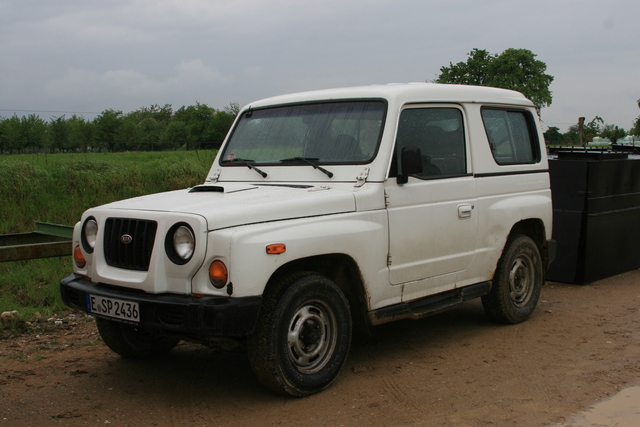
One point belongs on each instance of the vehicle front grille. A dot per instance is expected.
(128, 243)
(74, 297)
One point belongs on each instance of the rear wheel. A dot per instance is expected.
(133, 342)
(517, 282)
(303, 335)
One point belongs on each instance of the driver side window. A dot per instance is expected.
(439, 134)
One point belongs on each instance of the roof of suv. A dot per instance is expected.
(406, 93)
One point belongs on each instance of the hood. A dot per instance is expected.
(229, 204)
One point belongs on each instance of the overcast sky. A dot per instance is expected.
(85, 56)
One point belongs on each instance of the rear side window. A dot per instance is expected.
(511, 136)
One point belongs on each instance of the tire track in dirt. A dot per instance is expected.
(453, 369)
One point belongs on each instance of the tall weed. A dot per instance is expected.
(57, 189)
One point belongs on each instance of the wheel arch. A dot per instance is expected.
(339, 268)
(535, 229)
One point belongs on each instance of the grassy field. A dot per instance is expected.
(57, 189)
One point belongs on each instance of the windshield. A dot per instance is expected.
(329, 133)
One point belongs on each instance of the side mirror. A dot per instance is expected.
(410, 163)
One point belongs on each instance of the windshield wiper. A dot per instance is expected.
(247, 163)
(310, 161)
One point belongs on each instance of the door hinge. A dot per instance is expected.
(362, 178)
(389, 259)
(214, 177)
(386, 200)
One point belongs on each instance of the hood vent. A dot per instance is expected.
(218, 189)
(207, 189)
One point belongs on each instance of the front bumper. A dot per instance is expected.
(181, 315)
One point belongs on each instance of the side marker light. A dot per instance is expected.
(276, 248)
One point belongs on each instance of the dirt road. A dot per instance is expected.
(455, 369)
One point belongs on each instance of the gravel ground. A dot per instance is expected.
(581, 346)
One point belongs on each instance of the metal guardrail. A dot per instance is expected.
(616, 148)
(49, 240)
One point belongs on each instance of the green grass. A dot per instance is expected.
(57, 189)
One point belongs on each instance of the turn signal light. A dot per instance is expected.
(78, 258)
(218, 274)
(276, 248)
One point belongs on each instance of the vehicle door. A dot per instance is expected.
(432, 217)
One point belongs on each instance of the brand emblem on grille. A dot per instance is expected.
(126, 239)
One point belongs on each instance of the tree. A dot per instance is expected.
(197, 119)
(4, 139)
(175, 134)
(596, 127)
(515, 69)
(476, 71)
(159, 114)
(107, 126)
(150, 133)
(149, 128)
(11, 133)
(128, 136)
(635, 130)
(613, 133)
(33, 132)
(553, 136)
(82, 133)
(222, 122)
(573, 135)
(59, 132)
(593, 128)
(234, 108)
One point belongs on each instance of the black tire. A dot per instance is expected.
(517, 282)
(303, 335)
(133, 342)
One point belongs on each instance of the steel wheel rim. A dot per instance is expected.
(312, 336)
(521, 280)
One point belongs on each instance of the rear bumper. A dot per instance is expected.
(181, 315)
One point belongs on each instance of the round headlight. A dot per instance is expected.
(180, 243)
(89, 234)
(184, 242)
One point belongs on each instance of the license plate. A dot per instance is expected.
(112, 307)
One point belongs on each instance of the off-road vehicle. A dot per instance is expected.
(324, 211)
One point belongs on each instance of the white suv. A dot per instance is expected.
(324, 210)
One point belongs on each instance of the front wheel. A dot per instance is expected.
(133, 342)
(303, 335)
(517, 282)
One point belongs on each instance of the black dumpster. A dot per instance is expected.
(596, 215)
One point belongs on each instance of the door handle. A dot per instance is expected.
(464, 211)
